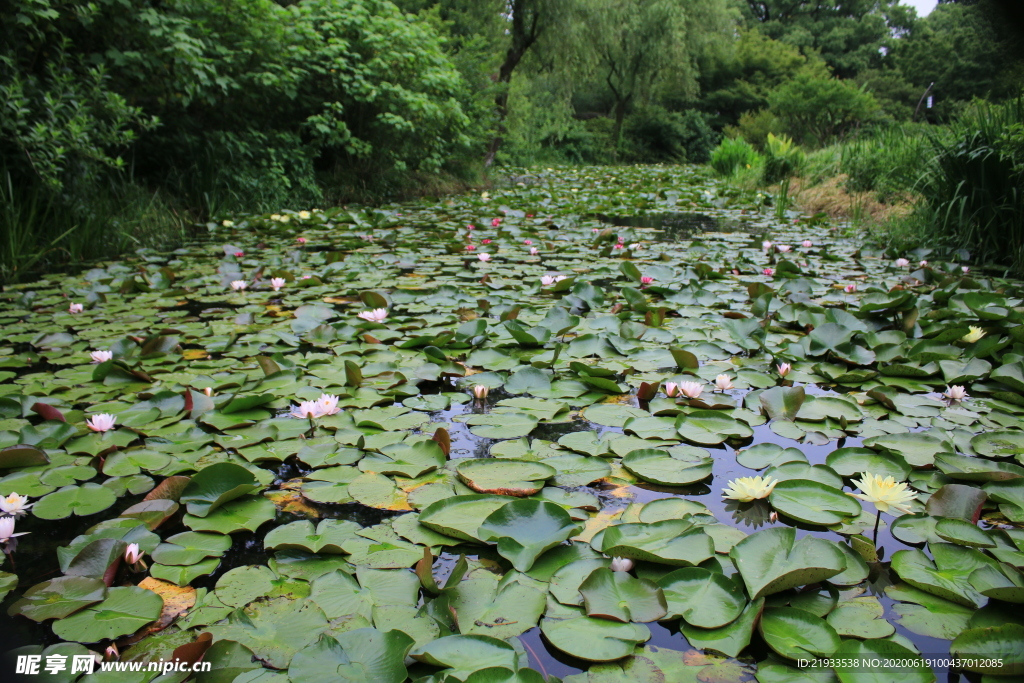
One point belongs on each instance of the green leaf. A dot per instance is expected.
(123, 611)
(620, 597)
(504, 477)
(773, 560)
(813, 503)
(216, 485)
(57, 598)
(523, 529)
(87, 499)
(796, 634)
(673, 467)
(461, 516)
(703, 598)
(675, 542)
(594, 640)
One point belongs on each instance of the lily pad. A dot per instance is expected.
(523, 529)
(505, 476)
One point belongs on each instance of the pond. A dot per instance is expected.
(490, 437)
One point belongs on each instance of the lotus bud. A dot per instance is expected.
(621, 564)
(784, 369)
(480, 392)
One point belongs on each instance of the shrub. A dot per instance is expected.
(782, 159)
(732, 155)
(817, 110)
(755, 127)
(656, 134)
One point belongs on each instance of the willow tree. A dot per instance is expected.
(643, 45)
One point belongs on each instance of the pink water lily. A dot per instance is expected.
(103, 422)
(807, 244)
(300, 240)
(621, 564)
(923, 264)
(850, 288)
(768, 272)
(671, 389)
(784, 248)
(964, 270)
(239, 254)
(527, 242)
(239, 285)
(132, 553)
(646, 280)
(622, 240)
(784, 369)
(956, 393)
(327, 404)
(306, 410)
(374, 316)
(101, 356)
(902, 263)
(534, 251)
(691, 389)
(495, 222)
(75, 308)
(766, 245)
(595, 230)
(277, 283)
(485, 257)
(470, 227)
(480, 391)
(470, 247)
(486, 240)
(620, 246)
(547, 280)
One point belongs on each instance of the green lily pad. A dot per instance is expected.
(57, 598)
(502, 426)
(813, 503)
(773, 560)
(673, 467)
(364, 654)
(328, 536)
(523, 529)
(995, 650)
(620, 597)
(860, 617)
(504, 476)
(594, 640)
(796, 634)
(675, 542)
(461, 655)
(216, 485)
(243, 514)
(190, 547)
(710, 428)
(703, 598)
(122, 611)
(461, 516)
(87, 499)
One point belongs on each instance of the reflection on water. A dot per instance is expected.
(674, 226)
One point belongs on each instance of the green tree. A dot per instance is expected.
(818, 110)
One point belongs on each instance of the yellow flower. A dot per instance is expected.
(884, 492)
(974, 335)
(746, 489)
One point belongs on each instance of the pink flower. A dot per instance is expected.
(239, 285)
(306, 409)
(305, 277)
(622, 240)
(470, 247)
(529, 215)
(76, 308)
(965, 270)
(327, 404)
(902, 263)
(527, 242)
(766, 245)
(850, 289)
(595, 230)
(784, 248)
(485, 257)
(691, 389)
(485, 241)
(495, 222)
(807, 244)
(470, 227)
(619, 246)
(300, 240)
(277, 283)
(101, 356)
(784, 369)
(239, 254)
(769, 272)
(533, 251)
(923, 264)
(646, 280)
(102, 422)
(132, 553)
(375, 316)
(671, 389)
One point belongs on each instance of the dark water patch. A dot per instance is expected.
(675, 226)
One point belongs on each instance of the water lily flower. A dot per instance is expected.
(965, 270)
(495, 222)
(470, 247)
(277, 283)
(807, 244)
(619, 246)
(480, 391)
(327, 404)
(527, 242)
(301, 240)
(784, 369)
(103, 422)
(884, 492)
(239, 254)
(306, 409)
(723, 383)
(111, 652)
(304, 214)
(768, 272)
(850, 288)
(621, 564)
(228, 224)
(595, 230)
(646, 280)
(132, 553)
(285, 218)
(485, 241)
(275, 216)
(973, 335)
(766, 245)
(671, 389)
(239, 285)
(534, 251)
(923, 264)
(306, 277)
(7, 529)
(747, 489)
(208, 391)
(956, 393)
(470, 227)
(547, 280)
(784, 248)
(15, 505)
(485, 257)
(635, 245)
(101, 356)
(622, 240)
(76, 308)
(691, 389)
(902, 263)
(374, 316)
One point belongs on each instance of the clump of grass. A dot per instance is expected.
(734, 155)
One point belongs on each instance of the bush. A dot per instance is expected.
(732, 155)
(817, 110)
(755, 127)
(654, 134)
(782, 159)
(888, 162)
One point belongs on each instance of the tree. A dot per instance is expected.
(818, 110)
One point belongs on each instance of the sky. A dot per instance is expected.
(923, 6)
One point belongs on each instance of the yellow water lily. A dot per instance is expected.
(973, 335)
(884, 492)
(746, 489)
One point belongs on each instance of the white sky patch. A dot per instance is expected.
(923, 6)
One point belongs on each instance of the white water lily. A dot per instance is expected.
(132, 553)
(102, 422)
(7, 529)
(691, 389)
(480, 391)
(547, 280)
(964, 270)
(747, 489)
(101, 356)
(956, 393)
(621, 564)
(784, 248)
(15, 505)
(974, 334)
(76, 308)
(327, 404)
(671, 389)
(306, 410)
(239, 285)
(766, 245)
(374, 316)
(884, 492)
(304, 215)
(723, 383)
(484, 256)
(923, 264)
(277, 283)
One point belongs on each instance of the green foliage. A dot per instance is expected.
(817, 110)
(782, 159)
(974, 190)
(734, 154)
(888, 161)
(755, 127)
(656, 134)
